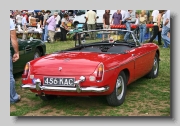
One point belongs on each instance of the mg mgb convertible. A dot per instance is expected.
(93, 67)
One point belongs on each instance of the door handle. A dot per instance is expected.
(28, 48)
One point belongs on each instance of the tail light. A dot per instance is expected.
(100, 72)
(26, 71)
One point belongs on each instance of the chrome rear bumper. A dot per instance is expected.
(77, 87)
(66, 89)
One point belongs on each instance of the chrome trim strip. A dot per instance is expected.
(67, 89)
(129, 61)
(118, 66)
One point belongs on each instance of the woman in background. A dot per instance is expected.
(64, 28)
(142, 25)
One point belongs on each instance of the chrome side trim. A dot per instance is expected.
(128, 61)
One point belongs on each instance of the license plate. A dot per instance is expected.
(58, 81)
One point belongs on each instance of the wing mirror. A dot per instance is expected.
(97, 17)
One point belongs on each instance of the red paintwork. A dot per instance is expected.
(76, 64)
(133, 26)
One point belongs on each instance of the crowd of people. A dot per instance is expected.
(161, 21)
(49, 24)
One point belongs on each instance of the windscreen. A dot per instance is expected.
(108, 36)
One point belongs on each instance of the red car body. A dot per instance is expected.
(94, 73)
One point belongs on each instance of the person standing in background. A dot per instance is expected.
(61, 13)
(45, 26)
(39, 17)
(166, 28)
(58, 18)
(126, 21)
(137, 24)
(42, 35)
(142, 26)
(30, 17)
(19, 18)
(106, 21)
(52, 26)
(14, 97)
(156, 30)
(116, 18)
(64, 28)
(24, 23)
(91, 22)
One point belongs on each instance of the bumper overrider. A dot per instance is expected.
(77, 87)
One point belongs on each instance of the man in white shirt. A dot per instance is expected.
(156, 31)
(137, 24)
(127, 20)
(19, 18)
(155, 14)
(166, 28)
(123, 12)
(91, 22)
(24, 23)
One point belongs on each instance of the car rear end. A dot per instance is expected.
(67, 76)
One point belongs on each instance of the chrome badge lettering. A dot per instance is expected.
(60, 68)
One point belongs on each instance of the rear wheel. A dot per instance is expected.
(155, 69)
(47, 97)
(117, 97)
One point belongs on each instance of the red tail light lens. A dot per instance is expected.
(26, 71)
(100, 72)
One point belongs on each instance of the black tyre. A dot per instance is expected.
(37, 54)
(47, 97)
(155, 69)
(117, 97)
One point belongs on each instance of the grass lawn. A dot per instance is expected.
(145, 97)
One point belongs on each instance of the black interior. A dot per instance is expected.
(109, 48)
(119, 49)
(118, 46)
(91, 49)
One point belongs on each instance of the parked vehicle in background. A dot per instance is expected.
(28, 50)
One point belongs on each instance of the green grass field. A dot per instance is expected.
(145, 97)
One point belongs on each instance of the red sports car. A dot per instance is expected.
(103, 65)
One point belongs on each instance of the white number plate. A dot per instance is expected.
(58, 81)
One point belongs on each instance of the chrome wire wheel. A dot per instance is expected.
(117, 97)
(155, 67)
(37, 54)
(119, 87)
